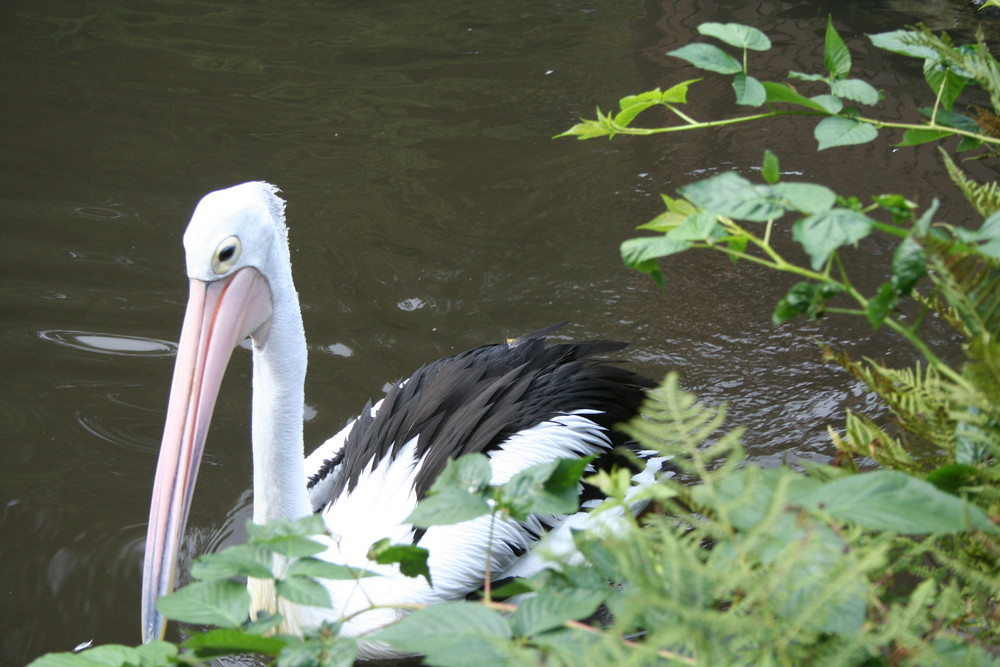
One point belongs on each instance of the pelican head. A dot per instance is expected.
(237, 261)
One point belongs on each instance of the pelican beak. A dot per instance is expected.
(219, 315)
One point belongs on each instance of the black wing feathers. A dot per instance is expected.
(473, 401)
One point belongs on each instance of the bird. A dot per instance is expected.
(521, 402)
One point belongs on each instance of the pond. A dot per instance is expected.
(430, 210)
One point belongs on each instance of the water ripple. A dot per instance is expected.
(118, 345)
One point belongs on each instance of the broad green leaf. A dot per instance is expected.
(909, 264)
(903, 42)
(829, 103)
(303, 590)
(550, 608)
(913, 137)
(945, 81)
(108, 655)
(855, 90)
(770, 170)
(304, 527)
(708, 57)
(644, 248)
(412, 559)
(733, 196)
(822, 233)
(219, 602)
(836, 131)
(952, 477)
(736, 34)
(228, 641)
(806, 197)
(586, 129)
(804, 298)
(547, 488)
(700, 226)
(243, 560)
(781, 92)
(881, 305)
(340, 652)
(677, 212)
(836, 56)
(749, 90)
(632, 105)
(458, 494)
(321, 569)
(470, 473)
(439, 630)
(677, 94)
(893, 500)
(952, 119)
(448, 507)
(289, 538)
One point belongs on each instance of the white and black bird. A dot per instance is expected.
(521, 403)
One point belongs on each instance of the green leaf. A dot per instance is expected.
(454, 633)
(899, 206)
(830, 103)
(836, 56)
(733, 196)
(411, 558)
(546, 488)
(749, 91)
(700, 226)
(228, 641)
(855, 90)
(708, 57)
(445, 508)
(303, 590)
(218, 602)
(321, 652)
(781, 92)
(550, 608)
(736, 34)
(881, 305)
(914, 137)
(471, 473)
(242, 560)
(804, 298)
(289, 538)
(909, 264)
(770, 170)
(952, 477)
(923, 224)
(822, 233)
(321, 569)
(943, 79)
(806, 197)
(639, 250)
(896, 501)
(903, 42)
(986, 239)
(837, 131)
(458, 494)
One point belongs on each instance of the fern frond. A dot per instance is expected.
(984, 197)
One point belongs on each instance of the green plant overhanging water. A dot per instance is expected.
(738, 565)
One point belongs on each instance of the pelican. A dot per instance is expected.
(522, 402)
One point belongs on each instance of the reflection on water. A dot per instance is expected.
(430, 211)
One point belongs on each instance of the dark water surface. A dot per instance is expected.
(430, 211)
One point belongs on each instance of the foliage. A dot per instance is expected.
(737, 564)
(948, 71)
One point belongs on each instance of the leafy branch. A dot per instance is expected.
(948, 71)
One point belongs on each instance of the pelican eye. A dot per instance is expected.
(226, 255)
